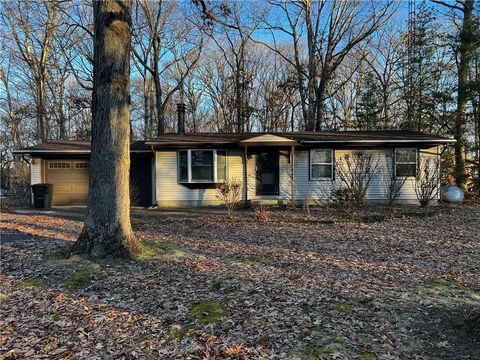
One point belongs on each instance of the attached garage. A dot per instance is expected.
(69, 179)
(65, 164)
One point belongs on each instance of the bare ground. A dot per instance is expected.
(402, 284)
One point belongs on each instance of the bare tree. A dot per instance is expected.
(231, 33)
(383, 55)
(33, 26)
(157, 49)
(8, 107)
(107, 229)
(467, 43)
(332, 30)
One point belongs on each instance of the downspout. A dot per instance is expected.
(154, 177)
(292, 164)
(245, 176)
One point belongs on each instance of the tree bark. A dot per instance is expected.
(42, 132)
(158, 101)
(465, 50)
(107, 229)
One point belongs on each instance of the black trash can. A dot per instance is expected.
(42, 195)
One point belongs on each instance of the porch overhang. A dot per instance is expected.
(267, 140)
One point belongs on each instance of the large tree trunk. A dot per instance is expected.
(466, 46)
(107, 230)
(62, 119)
(40, 111)
(146, 108)
(159, 105)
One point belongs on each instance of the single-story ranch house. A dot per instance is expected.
(185, 170)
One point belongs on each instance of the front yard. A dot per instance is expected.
(328, 285)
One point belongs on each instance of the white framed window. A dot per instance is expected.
(321, 164)
(59, 165)
(202, 166)
(81, 165)
(406, 162)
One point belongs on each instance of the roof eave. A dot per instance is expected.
(62, 152)
(386, 141)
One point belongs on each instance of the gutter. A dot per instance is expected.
(81, 152)
(22, 151)
(433, 141)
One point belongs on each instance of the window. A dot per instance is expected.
(405, 162)
(202, 166)
(321, 164)
(59, 165)
(221, 165)
(81, 165)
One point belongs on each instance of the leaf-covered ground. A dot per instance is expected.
(329, 285)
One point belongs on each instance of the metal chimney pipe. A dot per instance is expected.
(181, 118)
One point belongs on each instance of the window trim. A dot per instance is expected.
(332, 165)
(189, 167)
(50, 165)
(405, 163)
(81, 165)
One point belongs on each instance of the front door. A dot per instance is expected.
(267, 173)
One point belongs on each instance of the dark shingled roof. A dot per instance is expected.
(371, 138)
(346, 137)
(73, 146)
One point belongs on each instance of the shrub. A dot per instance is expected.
(393, 184)
(428, 182)
(341, 197)
(230, 193)
(262, 213)
(356, 172)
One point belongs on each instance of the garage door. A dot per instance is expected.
(70, 181)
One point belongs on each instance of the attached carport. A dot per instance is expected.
(65, 164)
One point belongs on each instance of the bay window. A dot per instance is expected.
(202, 166)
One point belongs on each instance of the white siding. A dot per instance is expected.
(320, 189)
(170, 193)
(35, 174)
(284, 178)
(36, 171)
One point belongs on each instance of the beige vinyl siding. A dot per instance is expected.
(35, 173)
(284, 177)
(170, 193)
(321, 189)
(305, 188)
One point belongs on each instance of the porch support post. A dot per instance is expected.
(292, 171)
(245, 175)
